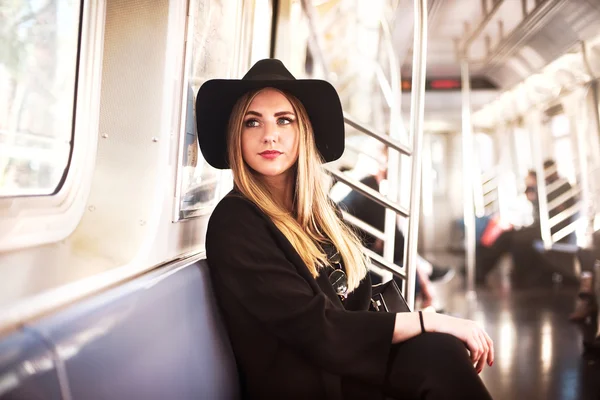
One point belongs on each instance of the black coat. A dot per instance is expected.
(291, 335)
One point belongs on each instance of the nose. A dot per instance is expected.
(271, 133)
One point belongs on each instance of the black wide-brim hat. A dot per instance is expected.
(217, 97)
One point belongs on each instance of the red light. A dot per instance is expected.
(445, 84)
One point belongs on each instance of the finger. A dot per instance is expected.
(485, 352)
(473, 345)
(482, 353)
(480, 364)
(490, 342)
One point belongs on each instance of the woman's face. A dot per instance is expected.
(270, 135)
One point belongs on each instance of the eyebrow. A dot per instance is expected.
(277, 114)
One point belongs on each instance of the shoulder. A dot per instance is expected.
(238, 230)
(234, 210)
(233, 203)
(234, 218)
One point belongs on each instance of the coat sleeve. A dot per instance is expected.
(248, 262)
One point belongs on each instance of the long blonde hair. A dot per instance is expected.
(313, 219)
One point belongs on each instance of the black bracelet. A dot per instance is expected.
(421, 319)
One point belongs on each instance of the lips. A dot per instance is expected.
(270, 154)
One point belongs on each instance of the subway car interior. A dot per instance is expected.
(454, 110)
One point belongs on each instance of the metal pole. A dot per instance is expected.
(314, 41)
(595, 140)
(536, 149)
(367, 191)
(481, 26)
(393, 159)
(416, 125)
(467, 150)
(385, 139)
(581, 133)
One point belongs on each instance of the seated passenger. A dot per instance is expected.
(373, 214)
(527, 262)
(275, 242)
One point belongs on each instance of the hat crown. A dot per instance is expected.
(268, 69)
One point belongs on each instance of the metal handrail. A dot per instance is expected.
(486, 19)
(394, 124)
(486, 186)
(391, 267)
(490, 196)
(417, 108)
(549, 171)
(384, 85)
(564, 232)
(394, 144)
(571, 194)
(314, 41)
(358, 149)
(362, 225)
(554, 186)
(367, 191)
(536, 148)
(517, 36)
(467, 167)
(563, 215)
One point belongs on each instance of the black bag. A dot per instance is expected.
(386, 297)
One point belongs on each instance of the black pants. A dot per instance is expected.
(431, 366)
(519, 243)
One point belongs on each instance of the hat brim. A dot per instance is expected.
(216, 98)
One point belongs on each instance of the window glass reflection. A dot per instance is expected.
(38, 60)
(214, 39)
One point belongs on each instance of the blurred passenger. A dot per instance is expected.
(290, 277)
(527, 261)
(373, 214)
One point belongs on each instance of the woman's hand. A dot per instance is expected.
(477, 340)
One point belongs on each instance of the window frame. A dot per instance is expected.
(33, 220)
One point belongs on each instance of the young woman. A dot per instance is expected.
(290, 277)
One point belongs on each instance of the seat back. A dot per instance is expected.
(27, 368)
(157, 337)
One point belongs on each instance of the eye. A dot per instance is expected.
(251, 123)
(284, 121)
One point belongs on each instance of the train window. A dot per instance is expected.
(38, 61)
(212, 55)
(223, 44)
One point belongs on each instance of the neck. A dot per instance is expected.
(282, 188)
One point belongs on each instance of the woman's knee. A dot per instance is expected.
(437, 364)
(434, 351)
(443, 343)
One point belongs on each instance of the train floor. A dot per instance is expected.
(539, 353)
